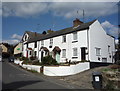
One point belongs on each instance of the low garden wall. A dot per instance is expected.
(18, 62)
(66, 70)
(57, 70)
(27, 66)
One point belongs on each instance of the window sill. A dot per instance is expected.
(98, 55)
(74, 57)
(63, 42)
(74, 41)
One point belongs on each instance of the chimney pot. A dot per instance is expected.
(77, 22)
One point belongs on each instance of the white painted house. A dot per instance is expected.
(83, 41)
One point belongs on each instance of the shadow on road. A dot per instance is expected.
(15, 85)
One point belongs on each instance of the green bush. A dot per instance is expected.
(48, 60)
(36, 63)
(33, 58)
(25, 60)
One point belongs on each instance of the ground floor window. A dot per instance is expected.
(98, 51)
(75, 52)
(64, 53)
(104, 59)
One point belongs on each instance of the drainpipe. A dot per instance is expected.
(88, 42)
(38, 48)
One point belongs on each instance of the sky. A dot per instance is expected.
(18, 17)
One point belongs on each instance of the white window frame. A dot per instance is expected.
(75, 52)
(51, 41)
(63, 53)
(98, 51)
(104, 60)
(35, 45)
(42, 43)
(64, 38)
(109, 49)
(75, 36)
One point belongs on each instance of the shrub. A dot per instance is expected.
(32, 58)
(48, 60)
(117, 62)
(115, 66)
(36, 63)
(25, 60)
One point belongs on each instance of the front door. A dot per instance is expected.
(83, 53)
(42, 55)
(57, 57)
(27, 54)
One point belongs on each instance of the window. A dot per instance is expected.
(75, 52)
(42, 43)
(27, 45)
(108, 49)
(75, 36)
(104, 59)
(98, 50)
(51, 42)
(36, 44)
(26, 37)
(64, 53)
(64, 38)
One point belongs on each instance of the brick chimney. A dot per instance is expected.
(77, 22)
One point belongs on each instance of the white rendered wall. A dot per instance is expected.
(68, 45)
(98, 38)
(65, 70)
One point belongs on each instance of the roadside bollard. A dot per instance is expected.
(97, 80)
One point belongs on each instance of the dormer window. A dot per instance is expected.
(25, 37)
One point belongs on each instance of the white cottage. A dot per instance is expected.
(82, 41)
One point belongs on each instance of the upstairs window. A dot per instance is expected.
(75, 37)
(98, 51)
(35, 53)
(42, 43)
(36, 44)
(108, 49)
(27, 45)
(64, 38)
(75, 52)
(51, 42)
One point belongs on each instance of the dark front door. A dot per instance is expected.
(42, 55)
(83, 53)
(27, 54)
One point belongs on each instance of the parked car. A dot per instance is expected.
(11, 59)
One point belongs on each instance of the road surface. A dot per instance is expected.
(16, 78)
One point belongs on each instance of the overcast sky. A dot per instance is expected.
(40, 16)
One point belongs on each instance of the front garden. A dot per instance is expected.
(47, 61)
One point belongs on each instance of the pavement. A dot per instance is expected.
(13, 77)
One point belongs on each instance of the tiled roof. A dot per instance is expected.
(60, 32)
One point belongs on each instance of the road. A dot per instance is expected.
(15, 78)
